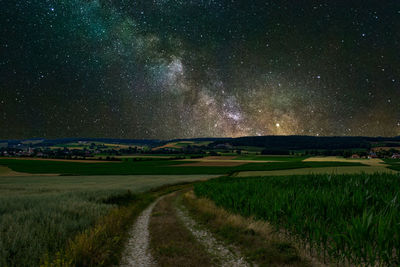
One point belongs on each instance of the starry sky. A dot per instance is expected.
(194, 68)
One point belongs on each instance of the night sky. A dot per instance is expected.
(194, 68)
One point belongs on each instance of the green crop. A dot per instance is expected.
(348, 218)
(152, 167)
(39, 215)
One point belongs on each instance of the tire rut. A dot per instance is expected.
(137, 251)
(227, 256)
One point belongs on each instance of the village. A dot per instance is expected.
(86, 149)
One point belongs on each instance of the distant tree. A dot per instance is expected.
(275, 152)
(213, 153)
(347, 153)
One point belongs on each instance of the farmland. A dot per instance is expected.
(270, 158)
(155, 167)
(56, 206)
(38, 215)
(347, 218)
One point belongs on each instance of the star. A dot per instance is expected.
(178, 69)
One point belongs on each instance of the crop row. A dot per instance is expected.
(348, 218)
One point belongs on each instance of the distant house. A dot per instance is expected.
(396, 156)
(372, 155)
(355, 156)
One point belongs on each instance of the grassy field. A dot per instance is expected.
(119, 168)
(370, 162)
(394, 164)
(38, 215)
(76, 145)
(152, 167)
(183, 144)
(346, 218)
(4, 170)
(319, 170)
(270, 158)
(257, 240)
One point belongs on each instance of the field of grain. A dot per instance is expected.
(89, 160)
(4, 170)
(324, 170)
(370, 162)
(269, 158)
(38, 215)
(212, 164)
(145, 167)
(346, 219)
(158, 167)
(182, 144)
(143, 157)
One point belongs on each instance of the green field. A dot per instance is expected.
(350, 218)
(155, 167)
(107, 168)
(38, 215)
(186, 144)
(270, 158)
(394, 164)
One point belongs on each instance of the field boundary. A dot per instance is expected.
(257, 240)
(103, 244)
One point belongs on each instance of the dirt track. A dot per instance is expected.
(137, 252)
(227, 256)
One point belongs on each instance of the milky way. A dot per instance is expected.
(176, 69)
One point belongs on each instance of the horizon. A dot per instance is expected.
(194, 138)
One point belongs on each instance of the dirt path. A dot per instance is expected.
(171, 243)
(226, 256)
(137, 252)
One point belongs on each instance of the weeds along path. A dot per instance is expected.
(226, 256)
(171, 243)
(137, 251)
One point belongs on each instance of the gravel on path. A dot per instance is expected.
(137, 251)
(227, 256)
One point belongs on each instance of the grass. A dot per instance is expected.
(346, 218)
(4, 170)
(151, 167)
(156, 167)
(270, 158)
(395, 167)
(369, 162)
(394, 164)
(272, 166)
(319, 170)
(255, 239)
(40, 216)
(171, 243)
